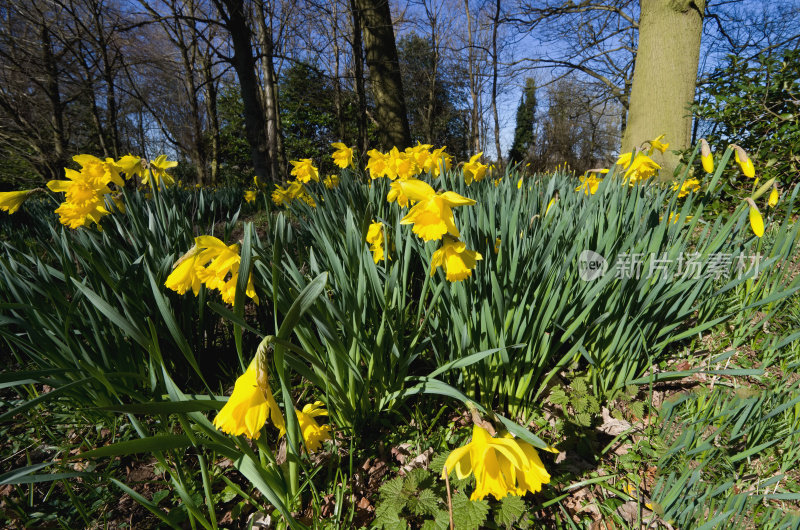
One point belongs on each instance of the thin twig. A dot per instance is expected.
(449, 498)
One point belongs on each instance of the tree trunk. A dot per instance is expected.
(664, 76)
(53, 91)
(270, 91)
(475, 135)
(245, 65)
(358, 73)
(384, 73)
(210, 86)
(495, 61)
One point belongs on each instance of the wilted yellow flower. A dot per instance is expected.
(744, 162)
(657, 145)
(304, 170)
(130, 165)
(375, 240)
(642, 167)
(432, 216)
(10, 201)
(250, 196)
(705, 156)
(455, 259)
(589, 184)
(331, 181)
(343, 156)
(474, 170)
(773, 197)
(313, 433)
(502, 466)
(688, 186)
(249, 406)
(756, 220)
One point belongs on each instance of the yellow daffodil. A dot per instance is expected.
(131, 166)
(657, 145)
(432, 216)
(455, 259)
(674, 216)
(396, 194)
(213, 263)
(640, 168)
(589, 184)
(773, 197)
(744, 162)
(250, 406)
(313, 433)
(280, 196)
(497, 242)
(375, 240)
(756, 220)
(688, 186)
(343, 156)
(705, 156)
(474, 170)
(303, 170)
(331, 181)
(519, 183)
(438, 161)
(99, 172)
(250, 196)
(158, 168)
(377, 164)
(421, 154)
(85, 193)
(10, 201)
(502, 466)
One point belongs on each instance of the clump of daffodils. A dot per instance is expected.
(431, 213)
(89, 191)
(502, 465)
(375, 238)
(212, 263)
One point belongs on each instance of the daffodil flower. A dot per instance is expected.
(303, 170)
(375, 240)
(502, 466)
(656, 145)
(10, 201)
(432, 216)
(250, 406)
(688, 186)
(455, 259)
(343, 156)
(313, 433)
(158, 168)
(756, 220)
(773, 197)
(250, 196)
(474, 170)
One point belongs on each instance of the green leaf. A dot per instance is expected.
(160, 442)
(467, 514)
(509, 511)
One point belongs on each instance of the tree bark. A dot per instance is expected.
(210, 86)
(270, 91)
(53, 92)
(384, 72)
(495, 61)
(664, 76)
(358, 72)
(475, 135)
(244, 63)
